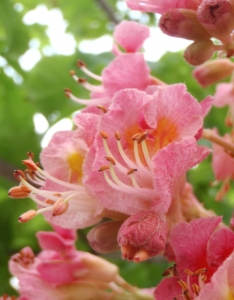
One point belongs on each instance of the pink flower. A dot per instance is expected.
(199, 252)
(62, 197)
(149, 143)
(131, 35)
(127, 70)
(61, 272)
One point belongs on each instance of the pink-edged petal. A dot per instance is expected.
(131, 35)
(170, 163)
(221, 286)
(189, 242)
(168, 288)
(60, 272)
(183, 115)
(81, 212)
(67, 234)
(126, 71)
(161, 6)
(224, 95)
(64, 156)
(221, 245)
(222, 162)
(206, 105)
(53, 241)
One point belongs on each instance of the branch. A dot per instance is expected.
(109, 11)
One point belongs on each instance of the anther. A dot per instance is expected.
(82, 80)
(19, 192)
(30, 155)
(104, 135)
(103, 168)
(81, 64)
(186, 295)
(18, 174)
(117, 135)
(131, 171)
(49, 201)
(187, 271)
(72, 73)
(183, 284)
(27, 216)
(135, 136)
(142, 137)
(102, 108)
(110, 159)
(30, 164)
(196, 288)
(167, 272)
(199, 271)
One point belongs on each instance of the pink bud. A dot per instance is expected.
(199, 52)
(182, 23)
(213, 71)
(217, 17)
(103, 237)
(142, 235)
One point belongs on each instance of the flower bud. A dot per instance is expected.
(142, 235)
(182, 23)
(217, 17)
(60, 207)
(213, 71)
(103, 237)
(199, 52)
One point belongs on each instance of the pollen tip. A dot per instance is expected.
(27, 216)
(103, 168)
(104, 135)
(72, 73)
(141, 137)
(102, 108)
(110, 159)
(81, 64)
(30, 164)
(30, 155)
(117, 135)
(135, 136)
(81, 80)
(60, 207)
(18, 174)
(131, 171)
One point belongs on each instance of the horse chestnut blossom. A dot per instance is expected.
(127, 70)
(203, 254)
(146, 145)
(60, 272)
(62, 197)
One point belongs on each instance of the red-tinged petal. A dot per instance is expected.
(126, 71)
(221, 245)
(131, 35)
(52, 241)
(168, 288)
(189, 242)
(221, 286)
(60, 272)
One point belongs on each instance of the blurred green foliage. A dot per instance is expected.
(41, 90)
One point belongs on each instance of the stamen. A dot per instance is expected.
(102, 108)
(60, 207)
(27, 216)
(183, 284)
(200, 271)
(82, 66)
(146, 154)
(103, 168)
(18, 174)
(196, 289)
(131, 173)
(94, 101)
(90, 87)
(110, 159)
(122, 153)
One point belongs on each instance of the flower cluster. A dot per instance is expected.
(123, 171)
